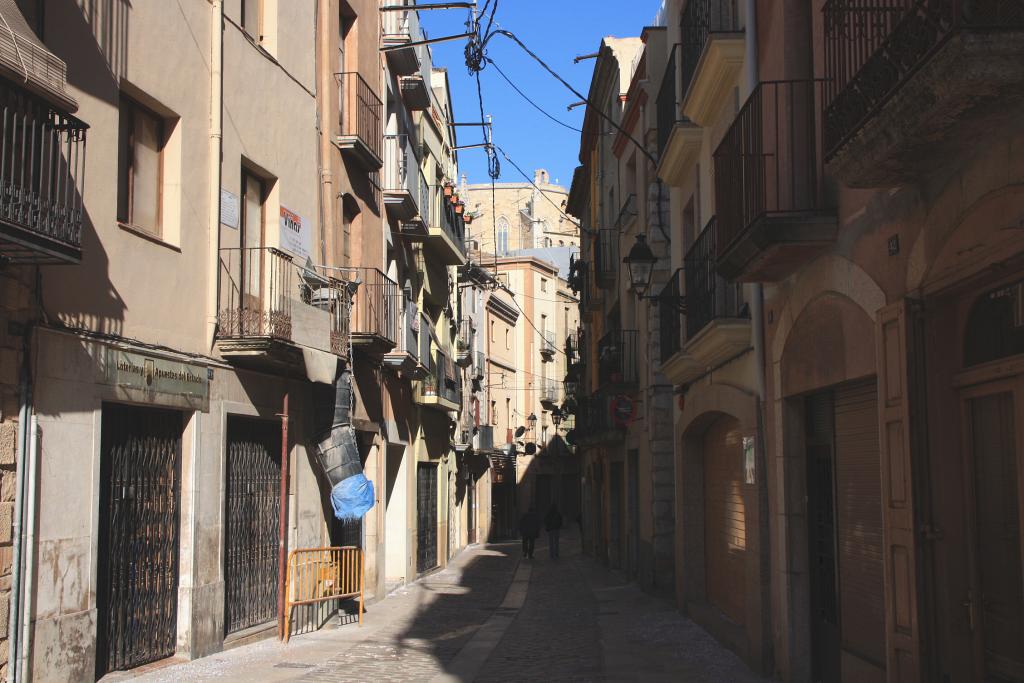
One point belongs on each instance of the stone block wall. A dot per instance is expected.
(15, 312)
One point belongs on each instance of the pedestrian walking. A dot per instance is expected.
(553, 523)
(529, 529)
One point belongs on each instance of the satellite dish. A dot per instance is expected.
(531, 448)
(520, 431)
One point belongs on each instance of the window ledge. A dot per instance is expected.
(148, 236)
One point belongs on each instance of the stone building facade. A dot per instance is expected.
(842, 339)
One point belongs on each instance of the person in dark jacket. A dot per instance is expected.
(529, 529)
(553, 523)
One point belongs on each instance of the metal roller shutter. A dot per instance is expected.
(859, 521)
(725, 527)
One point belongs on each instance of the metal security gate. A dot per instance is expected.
(426, 517)
(252, 517)
(137, 597)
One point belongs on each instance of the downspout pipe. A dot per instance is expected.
(215, 169)
(750, 81)
(24, 410)
(29, 552)
(338, 455)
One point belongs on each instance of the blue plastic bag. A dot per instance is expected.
(351, 498)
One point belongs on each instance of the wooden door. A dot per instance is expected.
(823, 570)
(725, 532)
(992, 471)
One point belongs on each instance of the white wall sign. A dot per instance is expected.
(228, 209)
(296, 237)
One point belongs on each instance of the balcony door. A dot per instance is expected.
(253, 220)
(992, 469)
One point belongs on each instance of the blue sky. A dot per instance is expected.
(557, 30)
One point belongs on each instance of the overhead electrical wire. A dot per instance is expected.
(527, 98)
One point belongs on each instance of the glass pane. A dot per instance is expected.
(146, 172)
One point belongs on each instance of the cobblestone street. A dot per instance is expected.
(490, 617)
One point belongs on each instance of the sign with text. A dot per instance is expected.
(229, 209)
(140, 377)
(296, 236)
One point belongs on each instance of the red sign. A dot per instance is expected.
(623, 411)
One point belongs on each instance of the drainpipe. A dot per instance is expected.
(32, 463)
(750, 78)
(24, 410)
(216, 148)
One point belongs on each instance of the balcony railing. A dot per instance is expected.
(547, 344)
(479, 365)
(401, 167)
(873, 46)
(668, 100)
(607, 254)
(359, 118)
(708, 295)
(701, 19)
(445, 218)
(617, 358)
(548, 389)
(767, 162)
(464, 342)
(670, 319)
(255, 293)
(442, 379)
(376, 308)
(42, 170)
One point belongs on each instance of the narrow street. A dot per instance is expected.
(489, 617)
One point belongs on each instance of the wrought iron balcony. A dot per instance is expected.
(446, 229)
(479, 366)
(679, 139)
(670, 318)
(547, 346)
(406, 193)
(617, 358)
(594, 422)
(549, 391)
(464, 343)
(359, 130)
(407, 356)
(709, 296)
(269, 308)
(42, 170)
(376, 312)
(398, 30)
(606, 252)
(441, 387)
(901, 74)
(255, 294)
(772, 213)
(711, 57)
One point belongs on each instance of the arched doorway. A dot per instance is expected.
(725, 519)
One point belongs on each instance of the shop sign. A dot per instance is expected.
(623, 411)
(143, 378)
(295, 235)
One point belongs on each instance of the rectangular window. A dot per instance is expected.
(252, 11)
(140, 166)
(543, 284)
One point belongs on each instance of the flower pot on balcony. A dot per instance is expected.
(454, 198)
(468, 218)
(459, 208)
(448, 190)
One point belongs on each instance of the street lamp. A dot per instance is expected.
(556, 417)
(532, 420)
(640, 262)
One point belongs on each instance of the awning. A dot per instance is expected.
(25, 60)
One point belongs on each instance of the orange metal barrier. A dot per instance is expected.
(322, 574)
